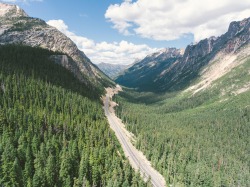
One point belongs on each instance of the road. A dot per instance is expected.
(136, 159)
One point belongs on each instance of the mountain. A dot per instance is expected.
(177, 71)
(53, 131)
(200, 123)
(193, 134)
(144, 73)
(16, 27)
(112, 70)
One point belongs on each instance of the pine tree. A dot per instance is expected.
(50, 171)
(16, 174)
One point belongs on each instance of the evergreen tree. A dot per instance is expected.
(53, 131)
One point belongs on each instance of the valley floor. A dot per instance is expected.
(136, 158)
(200, 140)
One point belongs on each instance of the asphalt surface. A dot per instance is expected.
(134, 156)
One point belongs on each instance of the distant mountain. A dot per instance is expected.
(112, 70)
(143, 73)
(18, 28)
(178, 71)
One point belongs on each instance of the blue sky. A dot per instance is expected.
(87, 18)
(121, 31)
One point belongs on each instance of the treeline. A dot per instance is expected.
(51, 133)
(36, 63)
(192, 141)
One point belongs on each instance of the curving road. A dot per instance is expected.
(137, 160)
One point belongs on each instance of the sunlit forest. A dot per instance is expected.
(53, 131)
(194, 140)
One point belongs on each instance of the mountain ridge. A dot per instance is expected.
(181, 72)
(112, 70)
(19, 28)
(144, 71)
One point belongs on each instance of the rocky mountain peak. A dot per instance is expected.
(166, 53)
(198, 50)
(171, 70)
(11, 11)
(16, 27)
(237, 26)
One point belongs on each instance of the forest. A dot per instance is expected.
(53, 131)
(197, 139)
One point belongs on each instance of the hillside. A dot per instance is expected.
(195, 139)
(112, 70)
(194, 124)
(187, 111)
(51, 133)
(178, 72)
(18, 28)
(143, 73)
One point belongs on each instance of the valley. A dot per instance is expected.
(74, 114)
(53, 130)
(136, 158)
(112, 70)
(199, 139)
(190, 111)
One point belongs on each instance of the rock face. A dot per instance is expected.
(182, 70)
(16, 27)
(69, 64)
(11, 11)
(112, 70)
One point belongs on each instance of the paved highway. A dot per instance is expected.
(137, 161)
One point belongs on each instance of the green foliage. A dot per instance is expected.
(144, 77)
(36, 63)
(194, 140)
(171, 74)
(53, 131)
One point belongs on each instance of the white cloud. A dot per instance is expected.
(122, 52)
(173, 19)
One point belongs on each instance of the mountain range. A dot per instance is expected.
(189, 112)
(169, 69)
(112, 70)
(172, 69)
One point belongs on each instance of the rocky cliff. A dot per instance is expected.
(16, 27)
(183, 70)
(199, 55)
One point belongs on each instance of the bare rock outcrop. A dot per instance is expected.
(173, 70)
(16, 27)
